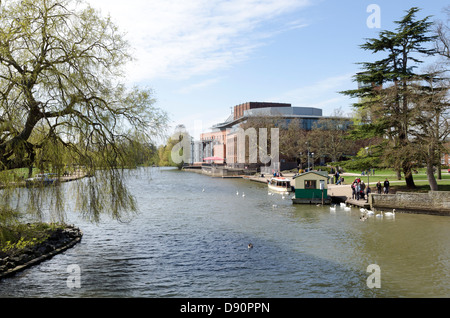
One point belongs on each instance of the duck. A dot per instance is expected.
(250, 246)
(390, 213)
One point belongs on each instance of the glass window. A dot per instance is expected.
(310, 184)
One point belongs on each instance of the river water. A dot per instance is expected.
(191, 235)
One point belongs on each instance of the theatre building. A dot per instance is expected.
(221, 141)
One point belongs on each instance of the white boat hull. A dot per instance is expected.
(279, 189)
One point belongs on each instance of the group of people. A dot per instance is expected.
(384, 187)
(359, 189)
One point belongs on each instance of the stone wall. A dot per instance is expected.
(433, 202)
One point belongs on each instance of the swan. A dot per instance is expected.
(369, 212)
(343, 204)
(243, 195)
(390, 213)
(333, 208)
(380, 215)
(237, 192)
(363, 210)
(347, 208)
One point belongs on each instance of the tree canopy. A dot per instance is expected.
(393, 91)
(63, 102)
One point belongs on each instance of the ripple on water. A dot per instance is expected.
(190, 243)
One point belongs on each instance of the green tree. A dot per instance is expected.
(386, 88)
(63, 101)
(431, 124)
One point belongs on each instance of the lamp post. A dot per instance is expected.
(368, 177)
(307, 148)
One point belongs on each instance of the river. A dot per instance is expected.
(191, 235)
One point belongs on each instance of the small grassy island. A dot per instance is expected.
(24, 245)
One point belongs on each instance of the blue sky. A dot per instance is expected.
(202, 57)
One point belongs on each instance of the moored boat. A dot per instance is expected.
(41, 179)
(280, 184)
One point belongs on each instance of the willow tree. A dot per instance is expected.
(63, 101)
(386, 86)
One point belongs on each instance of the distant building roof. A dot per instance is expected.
(290, 112)
(320, 173)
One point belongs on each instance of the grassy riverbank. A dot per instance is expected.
(420, 180)
(14, 239)
(25, 245)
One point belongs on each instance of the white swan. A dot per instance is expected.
(369, 212)
(237, 192)
(243, 195)
(363, 210)
(347, 208)
(379, 215)
(333, 208)
(390, 213)
(343, 204)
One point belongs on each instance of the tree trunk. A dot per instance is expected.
(430, 175)
(409, 177)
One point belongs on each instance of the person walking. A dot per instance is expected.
(353, 190)
(386, 186)
(367, 194)
(379, 187)
(363, 188)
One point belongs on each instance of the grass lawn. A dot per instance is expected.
(420, 180)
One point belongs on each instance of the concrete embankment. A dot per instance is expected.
(433, 202)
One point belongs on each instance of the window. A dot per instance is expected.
(310, 184)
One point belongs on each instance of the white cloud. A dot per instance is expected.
(322, 94)
(179, 39)
(193, 87)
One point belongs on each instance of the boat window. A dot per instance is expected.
(310, 184)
